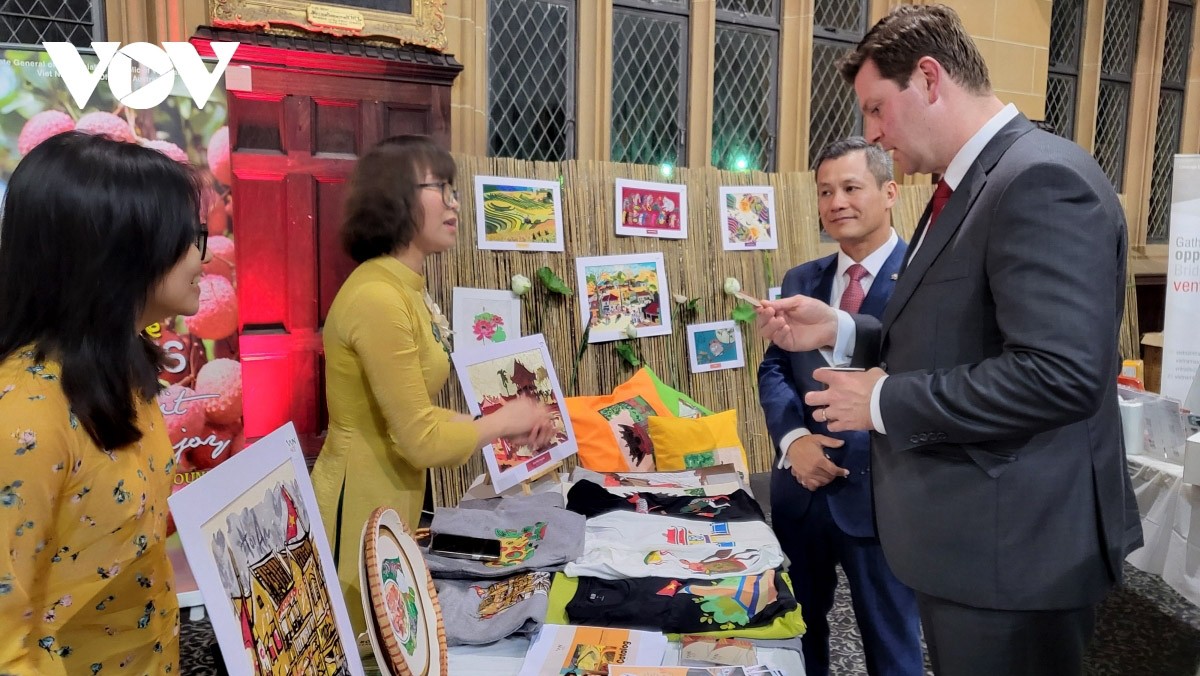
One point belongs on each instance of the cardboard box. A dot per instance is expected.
(1152, 357)
(1191, 460)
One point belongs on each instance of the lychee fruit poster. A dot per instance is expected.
(201, 398)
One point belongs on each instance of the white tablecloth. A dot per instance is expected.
(504, 658)
(1170, 525)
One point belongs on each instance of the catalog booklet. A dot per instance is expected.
(560, 650)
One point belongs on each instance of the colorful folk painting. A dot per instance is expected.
(623, 296)
(494, 375)
(646, 209)
(518, 214)
(273, 577)
(629, 420)
(715, 346)
(484, 317)
(748, 218)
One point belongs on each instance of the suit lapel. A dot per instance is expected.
(882, 285)
(822, 281)
(952, 216)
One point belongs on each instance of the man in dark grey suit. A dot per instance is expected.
(1001, 494)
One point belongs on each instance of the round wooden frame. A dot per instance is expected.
(385, 535)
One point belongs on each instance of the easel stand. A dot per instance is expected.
(527, 484)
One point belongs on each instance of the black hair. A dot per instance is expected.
(89, 227)
(383, 209)
(879, 162)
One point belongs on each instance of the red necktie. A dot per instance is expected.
(852, 297)
(940, 196)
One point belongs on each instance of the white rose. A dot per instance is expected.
(680, 298)
(631, 331)
(732, 285)
(521, 284)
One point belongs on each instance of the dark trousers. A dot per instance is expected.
(884, 608)
(966, 641)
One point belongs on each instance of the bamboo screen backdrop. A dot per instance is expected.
(695, 267)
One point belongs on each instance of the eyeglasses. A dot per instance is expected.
(202, 240)
(449, 192)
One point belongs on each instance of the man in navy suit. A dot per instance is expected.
(821, 487)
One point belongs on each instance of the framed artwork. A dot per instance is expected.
(252, 533)
(748, 218)
(619, 292)
(775, 293)
(496, 374)
(646, 209)
(406, 22)
(518, 214)
(404, 619)
(485, 317)
(715, 346)
(409, 22)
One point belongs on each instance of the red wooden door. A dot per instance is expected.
(312, 107)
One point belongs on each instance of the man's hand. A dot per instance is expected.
(810, 466)
(798, 323)
(846, 403)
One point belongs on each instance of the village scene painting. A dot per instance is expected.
(622, 296)
(748, 217)
(651, 209)
(269, 567)
(495, 375)
(518, 214)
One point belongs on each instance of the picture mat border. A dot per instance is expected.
(693, 358)
(582, 263)
(192, 508)
(464, 360)
(631, 231)
(559, 245)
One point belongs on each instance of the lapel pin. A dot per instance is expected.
(895, 276)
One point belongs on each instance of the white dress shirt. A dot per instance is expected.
(843, 348)
(873, 263)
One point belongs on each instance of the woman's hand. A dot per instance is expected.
(525, 421)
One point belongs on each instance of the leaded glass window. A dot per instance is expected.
(838, 26)
(746, 85)
(1170, 117)
(649, 97)
(531, 79)
(1066, 44)
(1118, 52)
(32, 22)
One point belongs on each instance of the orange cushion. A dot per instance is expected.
(612, 431)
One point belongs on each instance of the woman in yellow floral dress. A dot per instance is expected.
(100, 238)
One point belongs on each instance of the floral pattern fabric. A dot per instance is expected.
(86, 585)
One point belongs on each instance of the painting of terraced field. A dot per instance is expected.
(518, 214)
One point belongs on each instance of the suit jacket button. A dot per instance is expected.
(941, 436)
(923, 437)
(913, 439)
(883, 365)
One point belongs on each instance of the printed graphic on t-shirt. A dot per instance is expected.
(718, 535)
(724, 561)
(499, 597)
(628, 420)
(517, 545)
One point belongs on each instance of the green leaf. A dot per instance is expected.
(742, 312)
(693, 305)
(553, 282)
(626, 351)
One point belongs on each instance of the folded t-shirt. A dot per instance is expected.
(681, 606)
(591, 499)
(627, 544)
(476, 612)
(535, 533)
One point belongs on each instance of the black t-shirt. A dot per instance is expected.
(681, 606)
(590, 499)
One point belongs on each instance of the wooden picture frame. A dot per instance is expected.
(424, 25)
(400, 603)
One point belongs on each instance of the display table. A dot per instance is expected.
(504, 658)
(1169, 525)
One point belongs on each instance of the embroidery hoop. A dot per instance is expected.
(384, 538)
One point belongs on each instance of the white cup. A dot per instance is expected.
(1133, 426)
